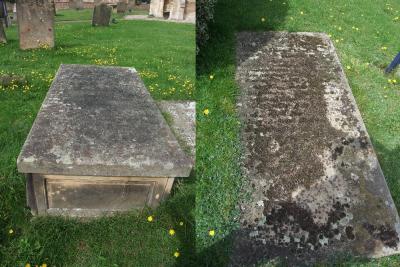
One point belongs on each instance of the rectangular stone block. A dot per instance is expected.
(35, 23)
(100, 145)
(87, 196)
(317, 189)
(101, 15)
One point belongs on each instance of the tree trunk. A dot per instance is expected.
(54, 6)
(3, 38)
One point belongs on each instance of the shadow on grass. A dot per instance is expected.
(218, 57)
(389, 159)
(232, 16)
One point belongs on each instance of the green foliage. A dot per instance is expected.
(204, 11)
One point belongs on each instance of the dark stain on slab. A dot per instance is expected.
(316, 188)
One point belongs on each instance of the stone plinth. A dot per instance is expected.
(98, 145)
(35, 23)
(316, 186)
(101, 15)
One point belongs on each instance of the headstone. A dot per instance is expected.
(316, 186)
(35, 23)
(76, 4)
(3, 38)
(101, 15)
(122, 7)
(99, 145)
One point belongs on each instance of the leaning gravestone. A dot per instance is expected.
(3, 38)
(316, 186)
(99, 145)
(101, 15)
(35, 23)
(122, 7)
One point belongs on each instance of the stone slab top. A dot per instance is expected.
(101, 121)
(181, 116)
(316, 186)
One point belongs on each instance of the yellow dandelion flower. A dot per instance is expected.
(150, 218)
(389, 81)
(44, 265)
(28, 265)
(348, 67)
(177, 254)
(301, 12)
(171, 232)
(11, 231)
(206, 112)
(384, 48)
(394, 81)
(211, 77)
(211, 233)
(263, 19)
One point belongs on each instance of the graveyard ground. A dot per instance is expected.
(86, 14)
(365, 33)
(164, 55)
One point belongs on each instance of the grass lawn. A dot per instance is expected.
(164, 54)
(86, 14)
(365, 33)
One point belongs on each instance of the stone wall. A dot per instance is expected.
(64, 4)
(182, 10)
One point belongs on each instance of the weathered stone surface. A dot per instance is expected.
(157, 8)
(35, 23)
(3, 38)
(101, 121)
(181, 116)
(183, 10)
(89, 196)
(316, 185)
(122, 7)
(177, 10)
(180, 10)
(101, 15)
